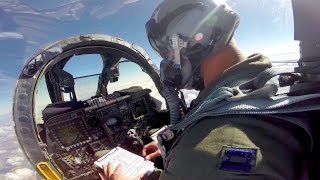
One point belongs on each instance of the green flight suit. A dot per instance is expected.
(278, 146)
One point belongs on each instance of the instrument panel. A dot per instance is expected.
(120, 119)
(71, 135)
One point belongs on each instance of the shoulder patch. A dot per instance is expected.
(238, 159)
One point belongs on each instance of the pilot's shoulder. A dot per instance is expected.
(220, 147)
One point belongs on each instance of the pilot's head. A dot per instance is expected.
(197, 31)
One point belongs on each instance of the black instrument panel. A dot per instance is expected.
(97, 124)
(100, 117)
(101, 123)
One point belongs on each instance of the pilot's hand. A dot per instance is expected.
(151, 151)
(111, 173)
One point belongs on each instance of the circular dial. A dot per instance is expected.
(93, 121)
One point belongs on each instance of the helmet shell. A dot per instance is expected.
(204, 25)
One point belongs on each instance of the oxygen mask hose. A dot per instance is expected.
(170, 77)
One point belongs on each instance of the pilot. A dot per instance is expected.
(248, 146)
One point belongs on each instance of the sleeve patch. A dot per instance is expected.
(238, 159)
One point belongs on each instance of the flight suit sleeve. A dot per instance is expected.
(233, 147)
(154, 175)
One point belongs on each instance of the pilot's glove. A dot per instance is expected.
(151, 151)
(111, 173)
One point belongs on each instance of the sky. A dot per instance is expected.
(27, 25)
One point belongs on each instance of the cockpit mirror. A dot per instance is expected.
(65, 80)
(66, 83)
(114, 74)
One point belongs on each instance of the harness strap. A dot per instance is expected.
(262, 95)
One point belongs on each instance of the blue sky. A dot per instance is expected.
(26, 25)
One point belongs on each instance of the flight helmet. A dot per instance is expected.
(184, 32)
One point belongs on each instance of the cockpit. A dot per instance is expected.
(89, 97)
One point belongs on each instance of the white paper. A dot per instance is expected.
(133, 165)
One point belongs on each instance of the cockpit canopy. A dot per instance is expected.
(83, 95)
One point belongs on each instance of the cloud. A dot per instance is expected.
(26, 22)
(104, 10)
(71, 11)
(21, 174)
(3, 151)
(33, 24)
(14, 165)
(130, 1)
(101, 8)
(15, 161)
(6, 118)
(286, 53)
(5, 130)
(6, 93)
(10, 35)
(5, 111)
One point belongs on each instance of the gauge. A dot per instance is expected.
(93, 121)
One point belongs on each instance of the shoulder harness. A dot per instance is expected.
(274, 92)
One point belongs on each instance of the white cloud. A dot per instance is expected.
(6, 118)
(6, 91)
(4, 130)
(72, 10)
(77, 8)
(130, 1)
(278, 53)
(18, 151)
(10, 35)
(3, 151)
(14, 164)
(284, 54)
(16, 160)
(109, 8)
(21, 174)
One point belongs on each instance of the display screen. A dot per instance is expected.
(70, 135)
(139, 109)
